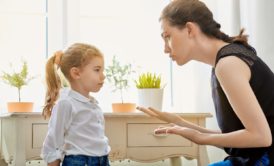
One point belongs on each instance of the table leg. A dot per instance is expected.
(19, 151)
(203, 156)
(175, 161)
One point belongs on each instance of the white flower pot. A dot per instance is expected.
(151, 97)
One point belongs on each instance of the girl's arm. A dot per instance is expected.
(59, 122)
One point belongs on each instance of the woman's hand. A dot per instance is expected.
(164, 116)
(190, 134)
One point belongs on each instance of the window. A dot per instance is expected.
(35, 29)
(23, 35)
(30, 30)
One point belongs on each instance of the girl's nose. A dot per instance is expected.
(103, 76)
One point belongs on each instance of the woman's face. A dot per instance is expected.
(177, 43)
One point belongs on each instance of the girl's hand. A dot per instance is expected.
(164, 116)
(54, 163)
(190, 134)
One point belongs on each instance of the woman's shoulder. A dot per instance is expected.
(236, 48)
(245, 53)
(232, 66)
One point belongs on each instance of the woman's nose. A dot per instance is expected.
(167, 49)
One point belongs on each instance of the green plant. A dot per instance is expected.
(119, 75)
(148, 80)
(17, 79)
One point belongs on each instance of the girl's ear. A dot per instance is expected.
(74, 73)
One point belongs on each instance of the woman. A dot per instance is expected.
(242, 85)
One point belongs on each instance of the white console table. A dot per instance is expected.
(130, 137)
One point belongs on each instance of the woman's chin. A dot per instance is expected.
(179, 63)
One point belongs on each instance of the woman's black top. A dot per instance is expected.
(262, 84)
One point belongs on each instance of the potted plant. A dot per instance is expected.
(150, 92)
(119, 76)
(18, 80)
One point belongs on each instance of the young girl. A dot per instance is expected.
(242, 85)
(76, 125)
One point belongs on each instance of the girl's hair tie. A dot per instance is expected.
(58, 56)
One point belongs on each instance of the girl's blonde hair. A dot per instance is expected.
(78, 55)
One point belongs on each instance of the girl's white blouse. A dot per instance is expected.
(76, 127)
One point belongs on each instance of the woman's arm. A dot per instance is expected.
(234, 75)
(175, 119)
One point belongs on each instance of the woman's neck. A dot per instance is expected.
(208, 49)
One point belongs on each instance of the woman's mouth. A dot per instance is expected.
(172, 57)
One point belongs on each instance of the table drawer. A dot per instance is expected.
(141, 135)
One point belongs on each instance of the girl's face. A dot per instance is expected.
(92, 76)
(177, 43)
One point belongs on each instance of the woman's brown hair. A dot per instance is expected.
(179, 12)
(78, 55)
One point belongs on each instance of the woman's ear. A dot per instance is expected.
(191, 28)
(74, 73)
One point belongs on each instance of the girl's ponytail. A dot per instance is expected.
(53, 83)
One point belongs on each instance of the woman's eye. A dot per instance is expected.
(167, 38)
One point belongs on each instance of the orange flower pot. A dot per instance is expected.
(123, 107)
(20, 106)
